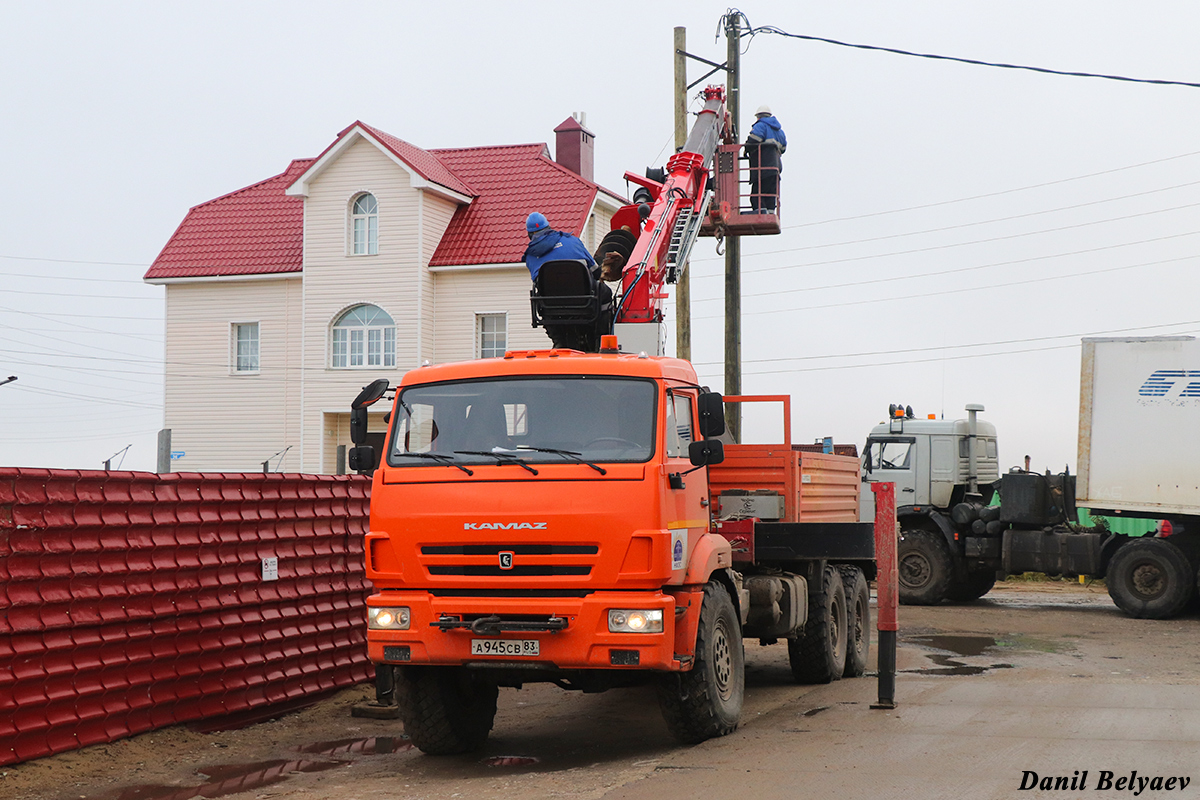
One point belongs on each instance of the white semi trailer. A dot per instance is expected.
(1138, 458)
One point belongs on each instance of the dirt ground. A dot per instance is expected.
(1045, 677)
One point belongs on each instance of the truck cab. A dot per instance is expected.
(929, 460)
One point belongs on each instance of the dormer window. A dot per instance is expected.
(364, 222)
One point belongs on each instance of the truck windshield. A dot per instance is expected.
(584, 417)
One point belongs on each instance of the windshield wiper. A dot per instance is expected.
(440, 458)
(571, 454)
(501, 458)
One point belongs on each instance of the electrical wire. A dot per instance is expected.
(924, 295)
(998, 343)
(1004, 238)
(991, 194)
(771, 29)
(939, 273)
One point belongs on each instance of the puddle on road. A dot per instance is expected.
(510, 761)
(225, 780)
(371, 746)
(954, 646)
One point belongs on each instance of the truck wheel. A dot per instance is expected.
(818, 654)
(707, 701)
(858, 621)
(445, 710)
(1150, 579)
(976, 585)
(925, 568)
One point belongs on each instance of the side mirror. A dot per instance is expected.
(358, 424)
(362, 458)
(712, 414)
(706, 453)
(370, 393)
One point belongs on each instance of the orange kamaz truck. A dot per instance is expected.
(567, 517)
(574, 517)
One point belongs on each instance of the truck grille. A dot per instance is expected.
(490, 560)
(530, 569)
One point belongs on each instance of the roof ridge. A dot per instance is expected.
(538, 145)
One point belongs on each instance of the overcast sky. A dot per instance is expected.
(950, 230)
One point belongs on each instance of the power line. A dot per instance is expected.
(991, 194)
(979, 241)
(996, 219)
(72, 278)
(924, 295)
(77, 294)
(771, 29)
(940, 273)
(1106, 332)
(76, 261)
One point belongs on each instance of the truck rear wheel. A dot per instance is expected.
(445, 710)
(707, 701)
(925, 568)
(818, 654)
(858, 620)
(975, 586)
(1150, 579)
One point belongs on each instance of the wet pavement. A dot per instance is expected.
(987, 693)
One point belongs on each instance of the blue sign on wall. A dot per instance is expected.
(177, 454)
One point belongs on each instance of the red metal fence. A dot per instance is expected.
(130, 601)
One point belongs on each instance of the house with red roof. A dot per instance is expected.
(285, 297)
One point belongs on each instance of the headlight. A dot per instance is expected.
(394, 619)
(628, 620)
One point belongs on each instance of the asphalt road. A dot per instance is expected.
(1051, 680)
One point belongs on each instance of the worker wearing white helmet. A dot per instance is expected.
(764, 147)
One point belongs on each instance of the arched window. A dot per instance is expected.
(364, 218)
(364, 336)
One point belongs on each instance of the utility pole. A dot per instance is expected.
(683, 289)
(733, 248)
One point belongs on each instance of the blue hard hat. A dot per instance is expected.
(535, 222)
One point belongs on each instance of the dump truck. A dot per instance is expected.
(1139, 400)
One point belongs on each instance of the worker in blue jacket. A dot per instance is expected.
(547, 244)
(765, 147)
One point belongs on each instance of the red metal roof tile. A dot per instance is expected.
(511, 180)
(423, 161)
(255, 230)
(260, 230)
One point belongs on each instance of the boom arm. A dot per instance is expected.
(666, 228)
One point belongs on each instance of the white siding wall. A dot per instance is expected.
(334, 280)
(461, 294)
(227, 422)
(435, 219)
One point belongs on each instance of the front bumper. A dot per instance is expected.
(584, 641)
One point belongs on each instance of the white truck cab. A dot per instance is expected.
(930, 460)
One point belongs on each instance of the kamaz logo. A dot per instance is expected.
(1160, 383)
(504, 526)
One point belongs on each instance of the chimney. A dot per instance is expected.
(575, 145)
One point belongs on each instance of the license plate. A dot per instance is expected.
(504, 647)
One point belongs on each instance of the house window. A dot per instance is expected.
(364, 336)
(491, 332)
(364, 218)
(245, 346)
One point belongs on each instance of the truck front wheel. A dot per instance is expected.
(1150, 579)
(818, 654)
(707, 701)
(925, 567)
(445, 710)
